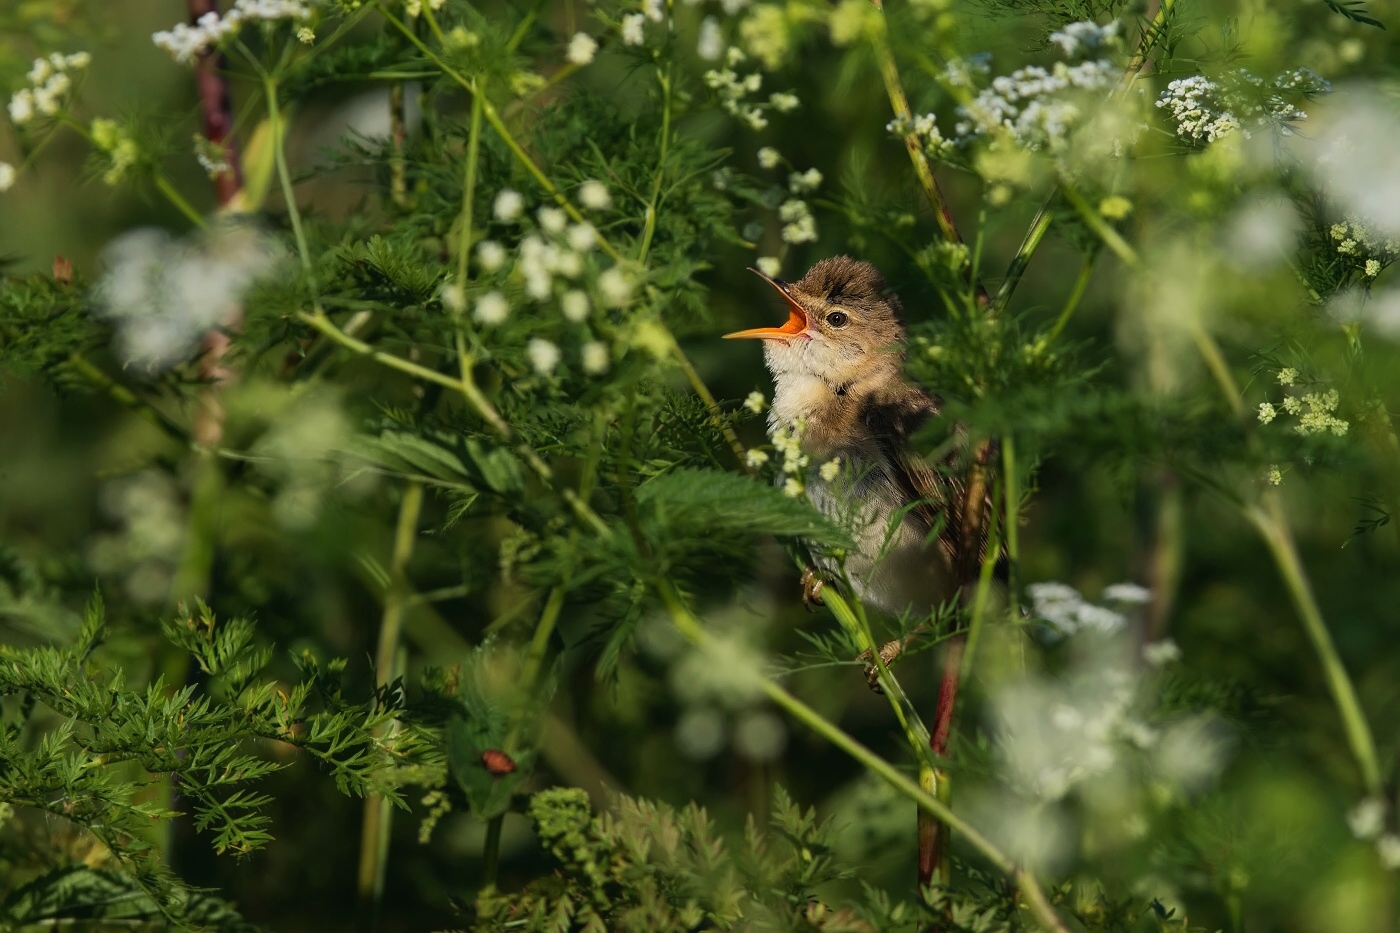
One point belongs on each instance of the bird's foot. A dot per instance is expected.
(889, 651)
(812, 586)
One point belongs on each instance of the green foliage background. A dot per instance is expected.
(198, 692)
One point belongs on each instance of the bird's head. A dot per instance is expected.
(843, 324)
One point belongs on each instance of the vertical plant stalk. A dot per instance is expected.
(216, 111)
(1268, 517)
(376, 824)
(1164, 562)
(694, 632)
(398, 166)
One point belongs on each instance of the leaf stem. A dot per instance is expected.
(284, 175)
(378, 815)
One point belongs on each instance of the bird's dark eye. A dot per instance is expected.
(837, 319)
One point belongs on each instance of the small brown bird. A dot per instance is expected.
(838, 367)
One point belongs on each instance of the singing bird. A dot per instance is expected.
(838, 367)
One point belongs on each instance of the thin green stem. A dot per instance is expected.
(1096, 222)
(1272, 524)
(534, 656)
(649, 226)
(691, 627)
(914, 729)
(979, 603)
(128, 398)
(1019, 263)
(469, 191)
(1219, 369)
(375, 827)
(491, 854)
(284, 175)
(164, 186)
(1011, 481)
(1086, 271)
(702, 390)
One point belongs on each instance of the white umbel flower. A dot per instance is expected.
(582, 48)
(574, 304)
(508, 205)
(544, 355)
(615, 287)
(490, 255)
(596, 358)
(552, 220)
(755, 402)
(594, 196)
(491, 309)
(632, 29)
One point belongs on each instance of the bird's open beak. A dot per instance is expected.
(796, 322)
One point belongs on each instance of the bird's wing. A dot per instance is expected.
(936, 491)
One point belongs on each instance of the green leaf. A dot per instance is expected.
(708, 503)
(498, 467)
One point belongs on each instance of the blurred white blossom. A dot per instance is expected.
(544, 355)
(760, 736)
(583, 237)
(615, 286)
(802, 182)
(1353, 153)
(710, 45)
(164, 294)
(552, 220)
(1084, 37)
(7, 176)
(768, 157)
(595, 358)
(146, 547)
(185, 43)
(508, 205)
(491, 309)
(50, 81)
(490, 255)
(1161, 653)
(632, 29)
(594, 196)
(769, 265)
(582, 48)
(574, 304)
(755, 402)
(1367, 818)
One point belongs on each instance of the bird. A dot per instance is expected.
(837, 365)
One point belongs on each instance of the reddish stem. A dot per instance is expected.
(217, 110)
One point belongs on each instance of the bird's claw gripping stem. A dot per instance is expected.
(812, 586)
(889, 651)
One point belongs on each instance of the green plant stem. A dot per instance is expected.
(979, 603)
(914, 729)
(1270, 521)
(469, 192)
(1096, 222)
(1272, 525)
(164, 186)
(702, 390)
(124, 396)
(1086, 270)
(284, 175)
(1011, 482)
(1029, 244)
(649, 226)
(694, 632)
(491, 852)
(378, 815)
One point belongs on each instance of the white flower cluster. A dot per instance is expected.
(1197, 104)
(803, 182)
(582, 48)
(1034, 104)
(185, 43)
(1314, 410)
(1086, 36)
(787, 446)
(7, 176)
(734, 92)
(165, 295)
(1063, 607)
(924, 126)
(799, 226)
(1206, 110)
(1358, 243)
(50, 80)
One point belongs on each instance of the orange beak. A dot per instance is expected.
(797, 318)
